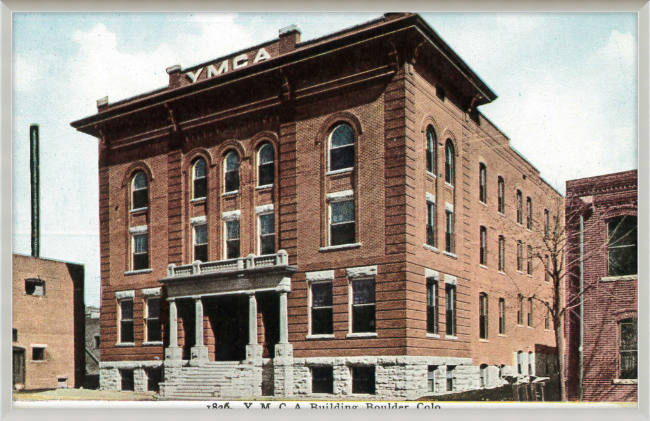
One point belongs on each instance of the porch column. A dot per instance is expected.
(253, 349)
(199, 351)
(173, 352)
(283, 361)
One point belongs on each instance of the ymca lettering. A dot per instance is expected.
(237, 63)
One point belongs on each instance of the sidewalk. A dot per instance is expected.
(83, 394)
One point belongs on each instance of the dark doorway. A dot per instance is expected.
(19, 366)
(186, 333)
(268, 304)
(229, 322)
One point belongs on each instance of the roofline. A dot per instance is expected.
(594, 177)
(48, 258)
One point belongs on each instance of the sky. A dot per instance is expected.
(567, 87)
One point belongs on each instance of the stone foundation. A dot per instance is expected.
(111, 379)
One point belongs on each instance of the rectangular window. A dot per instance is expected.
(154, 332)
(530, 312)
(483, 316)
(201, 243)
(98, 341)
(520, 310)
(321, 308)
(520, 257)
(520, 362)
(154, 377)
(529, 265)
(432, 308)
(547, 320)
(363, 305)
(547, 276)
(38, 353)
(450, 309)
(502, 316)
(520, 206)
(363, 380)
(628, 349)
(529, 210)
(431, 378)
(35, 287)
(232, 239)
(547, 223)
(622, 245)
(14, 334)
(126, 321)
(450, 378)
(502, 254)
(502, 195)
(127, 379)
(322, 379)
(267, 233)
(431, 223)
(482, 183)
(483, 252)
(449, 231)
(141, 251)
(342, 226)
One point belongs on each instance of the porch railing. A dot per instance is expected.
(280, 258)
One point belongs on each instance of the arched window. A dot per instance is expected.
(341, 148)
(139, 191)
(199, 179)
(529, 213)
(502, 253)
(502, 316)
(482, 182)
(483, 315)
(431, 150)
(520, 210)
(265, 165)
(450, 163)
(502, 195)
(231, 172)
(483, 254)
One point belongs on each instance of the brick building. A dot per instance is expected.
(329, 217)
(608, 207)
(47, 323)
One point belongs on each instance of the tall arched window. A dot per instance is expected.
(199, 179)
(520, 210)
(231, 172)
(341, 148)
(483, 253)
(502, 195)
(450, 163)
(502, 253)
(139, 191)
(482, 182)
(265, 165)
(502, 316)
(431, 150)
(483, 315)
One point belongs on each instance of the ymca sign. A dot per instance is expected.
(237, 63)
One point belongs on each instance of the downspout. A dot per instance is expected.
(582, 309)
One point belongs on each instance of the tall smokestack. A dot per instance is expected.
(36, 189)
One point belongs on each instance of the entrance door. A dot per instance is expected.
(19, 366)
(229, 322)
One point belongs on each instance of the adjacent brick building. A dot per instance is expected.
(48, 323)
(608, 207)
(330, 217)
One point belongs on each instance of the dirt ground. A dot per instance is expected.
(83, 394)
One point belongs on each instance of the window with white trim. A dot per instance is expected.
(201, 242)
(628, 349)
(431, 223)
(622, 245)
(520, 362)
(520, 257)
(530, 312)
(140, 247)
(232, 239)
(501, 184)
(547, 223)
(363, 305)
(529, 265)
(154, 330)
(502, 316)
(322, 319)
(520, 309)
(529, 213)
(342, 223)
(139, 191)
(449, 231)
(483, 316)
(482, 182)
(231, 172)
(199, 179)
(483, 255)
(520, 208)
(450, 305)
(265, 165)
(450, 162)
(341, 148)
(502, 253)
(432, 306)
(431, 150)
(267, 233)
(125, 314)
(38, 353)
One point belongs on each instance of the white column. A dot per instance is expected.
(199, 320)
(173, 324)
(252, 319)
(284, 321)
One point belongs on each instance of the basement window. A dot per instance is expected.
(363, 380)
(35, 287)
(38, 353)
(127, 379)
(322, 379)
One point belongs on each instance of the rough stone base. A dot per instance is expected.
(110, 378)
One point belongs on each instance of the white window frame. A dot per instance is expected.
(342, 196)
(259, 229)
(259, 165)
(329, 149)
(121, 296)
(194, 178)
(137, 231)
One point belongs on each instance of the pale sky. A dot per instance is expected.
(567, 87)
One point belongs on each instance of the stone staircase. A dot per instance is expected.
(211, 380)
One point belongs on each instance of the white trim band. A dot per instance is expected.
(323, 275)
(38, 345)
(361, 272)
(141, 229)
(151, 292)
(431, 198)
(264, 208)
(449, 207)
(199, 220)
(340, 195)
(231, 215)
(450, 279)
(120, 295)
(431, 274)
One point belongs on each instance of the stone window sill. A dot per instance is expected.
(230, 193)
(433, 335)
(198, 200)
(125, 344)
(502, 214)
(449, 185)
(39, 361)
(483, 203)
(156, 343)
(138, 210)
(137, 272)
(362, 335)
(625, 381)
(321, 336)
(451, 337)
(264, 187)
(341, 247)
(341, 171)
(619, 278)
(502, 272)
(452, 255)
(482, 266)
(484, 340)
(432, 248)
(502, 335)
(430, 174)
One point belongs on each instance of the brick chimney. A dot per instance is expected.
(102, 104)
(289, 37)
(174, 73)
